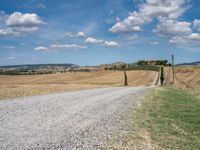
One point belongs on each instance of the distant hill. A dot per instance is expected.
(35, 69)
(114, 64)
(39, 66)
(189, 64)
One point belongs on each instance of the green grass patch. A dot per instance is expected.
(168, 119)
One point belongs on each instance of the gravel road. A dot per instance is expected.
(85, 119)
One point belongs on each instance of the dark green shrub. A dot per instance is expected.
(162, 77)
(125, 79)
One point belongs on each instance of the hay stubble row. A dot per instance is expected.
(185, 76)
(27, 85)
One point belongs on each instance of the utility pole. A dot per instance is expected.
(173, 73)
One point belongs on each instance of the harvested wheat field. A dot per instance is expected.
(27, 85)
(188, 77)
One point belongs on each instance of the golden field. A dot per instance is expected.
(188, 76)
(28, 85)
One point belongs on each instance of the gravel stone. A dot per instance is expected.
(79, 120)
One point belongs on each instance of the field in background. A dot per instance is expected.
(27, 85)
(185, 77)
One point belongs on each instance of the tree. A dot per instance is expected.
(125, 79)
(123, 66)
(115, 67)
(142, 62)
(162, 77)
(106, 68)
(165, 62)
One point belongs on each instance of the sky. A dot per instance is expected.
(94, 32)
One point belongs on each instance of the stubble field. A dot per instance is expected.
(28, 85)
(188, 77)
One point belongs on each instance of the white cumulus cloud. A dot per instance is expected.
(60, 46)
(77, 35)
(9, 32)
(196, 24)
(167, 13)
(147, 11)
(111, 44)
(26, 29)
(154, 43)
(169, 27)
(67, 46)
(193, 38)
(9, 47)
(27, 20)
(41, 48)
(91, 40)
(18, 24)
(80, 34)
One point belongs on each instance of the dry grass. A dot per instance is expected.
(27, 85)
(167, 119)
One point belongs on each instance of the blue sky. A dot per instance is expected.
(93, 32)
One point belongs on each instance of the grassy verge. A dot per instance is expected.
(169, 119)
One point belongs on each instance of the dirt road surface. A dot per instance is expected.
(85, 119)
